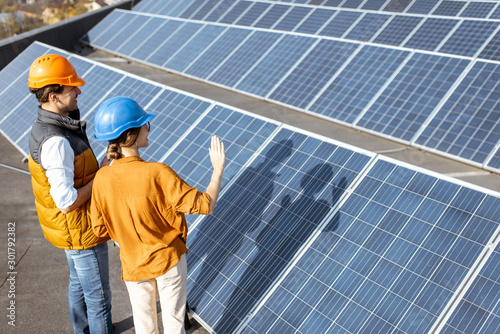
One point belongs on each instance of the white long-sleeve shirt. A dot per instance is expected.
(57, 158)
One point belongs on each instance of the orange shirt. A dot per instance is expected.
(141, 205)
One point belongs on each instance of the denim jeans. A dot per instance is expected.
(89, 294)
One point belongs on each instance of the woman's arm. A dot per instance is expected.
(218, 159)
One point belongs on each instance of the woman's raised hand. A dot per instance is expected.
(217, 154)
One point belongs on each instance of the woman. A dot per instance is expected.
(141, 206)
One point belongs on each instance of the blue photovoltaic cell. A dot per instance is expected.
(196, 46)
(292, 18)
(431, 33)
(422, 6)
(397, 6)
(373, 4)
(449, 8)
(252, 14)
(469, 37)
(468, 124)
(387, 262)
(478, 9)
(352, 3)
(145, 6)
(478, 312)
(397, 30)
(332, 3)
(233, 69)
(220, 10)
(340, 24)
(283, 56)
(412, 95)
(261, 222)
(315, 21)
(189, 9)
(272, 16)
(143, 32)
(174, 43)
(235, 12)
(348, 95)
(312, 73)
(205, 9)
(492, 49)
(101, 33)
(495, 160)
(162, 34)
(495, 14)
(367, 27)
(216, 53)
(126, 31)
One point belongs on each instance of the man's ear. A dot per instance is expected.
(53, 97)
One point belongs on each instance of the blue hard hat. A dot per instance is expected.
(117, 115)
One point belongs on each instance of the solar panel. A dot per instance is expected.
(449, 8)
(397, 30)
(467, 125)
(478, 9)
(219, 10)
(431, 34)
(205, 9)
(353, 89)
(264, 218)
(367, 27)
(292, 18)
(243, 58)
(380, 265)
(272, 16)
(234, 12)
(469, 37)
(252, 14)
(312, 73)
(194, 47)
(477, 312)
(397, 5)
(412, 95)
(374, 4)
(422, 6)
(280, 59)
(495, 160)
(315, 21)
(491, 50)
(217, 52)
(340, 24)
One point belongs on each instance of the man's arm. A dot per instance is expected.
(57, 157)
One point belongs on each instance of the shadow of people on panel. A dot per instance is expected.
(219, 236)
(280, 239)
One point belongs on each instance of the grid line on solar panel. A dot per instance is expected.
(141, 34)
(277, 172)
(365, 29)
(253, 14)
(467, 125)
(310, 75)
(494, 160)
(244, 57)
(449, 8)
(315, 21)
(272, 16)
(149, 46)
(233, 13)
(217, 52)
(340, 23)
(469, 38)
(117, 19)
(281, 58)
(398, 29)
(412, 95)
(126, 32)
(348, 95)
(397, 265)
(292, 18)
(219, 10)
(422, 6)
(194, 47)
(430, 34)
(478, 9)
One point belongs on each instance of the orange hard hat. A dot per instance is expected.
(53, 69)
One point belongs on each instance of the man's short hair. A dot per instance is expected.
(42, 94)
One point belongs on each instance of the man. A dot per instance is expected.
(62, 166)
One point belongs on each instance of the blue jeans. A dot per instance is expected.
(89, 294)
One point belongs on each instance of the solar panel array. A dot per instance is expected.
(310, 235)
(404, 76)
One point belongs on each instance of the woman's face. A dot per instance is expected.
(142, 138)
